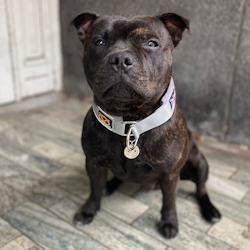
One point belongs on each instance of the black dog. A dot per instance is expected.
(128, 65)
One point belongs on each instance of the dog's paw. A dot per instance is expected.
(83, 218)
(168, 229)
(208, 210)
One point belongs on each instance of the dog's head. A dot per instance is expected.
(128, 61)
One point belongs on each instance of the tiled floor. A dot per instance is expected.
(43, 182)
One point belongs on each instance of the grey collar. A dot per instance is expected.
(159, 117)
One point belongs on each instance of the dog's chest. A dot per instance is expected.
(138, 170)
(109, 153)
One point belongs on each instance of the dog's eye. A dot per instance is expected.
(100, 43)
(152, 44)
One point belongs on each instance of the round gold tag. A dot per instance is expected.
(131, 154)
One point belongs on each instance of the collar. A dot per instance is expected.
(159, 117)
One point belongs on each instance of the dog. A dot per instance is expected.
(134, 129)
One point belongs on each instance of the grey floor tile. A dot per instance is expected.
(230, 208)
(234, 149)
(186, 188)
(72, 181)
(21, 136)
(22, 243)
(47, 132)
(188, 212)
(246, 199)
(220, 169)
(231, 160)
(60, 123)
(187, 238)
(22, 180)
(66, 208)
(79, 120)
(129, 188)
(9, 198)
(118, 235)
(75, 160)
(242, 176)
(4, 125)
(47, 230)
(45, 193)
(108, 230)
(59, 182)
(232, 233)
(41, 191)
(7, 232)
(153, 198)
(63, 111)
(51, 150)
(70, 109)
(29, 160)
(227, 187)
(8, 168)
(33, 186)
(123, 207)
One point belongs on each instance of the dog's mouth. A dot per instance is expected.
(120, 100)
(121, 93)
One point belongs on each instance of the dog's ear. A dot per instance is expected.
(175, 25)
(83, 24)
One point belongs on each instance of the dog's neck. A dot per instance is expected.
(117, 124)
(145, 110)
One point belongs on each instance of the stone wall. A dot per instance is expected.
(211, 65)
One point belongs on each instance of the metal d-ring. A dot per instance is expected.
(130, 142)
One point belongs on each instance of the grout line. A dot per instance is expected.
(230, 247)
(15, 238)
(54, 203)
(37, 243)
(243, 198)
(115, 218)
(14, 207)
(239, 154)
(195, 229)
(24, 167)
(45, 177)
(221, 239)
(233, 75)
(111, 215)
(75, 227)
(158, 211)
(143, 232)
(131, 223)
(57, 216)
(233, 174)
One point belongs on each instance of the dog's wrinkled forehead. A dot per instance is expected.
(161, 26)
(116, 27)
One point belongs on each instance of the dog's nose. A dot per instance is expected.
(121, 61)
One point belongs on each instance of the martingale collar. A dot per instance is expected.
(159, 117)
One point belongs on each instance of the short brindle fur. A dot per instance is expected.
(128, 65)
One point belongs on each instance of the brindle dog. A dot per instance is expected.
(128, 65)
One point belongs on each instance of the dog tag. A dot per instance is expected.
(131, 154)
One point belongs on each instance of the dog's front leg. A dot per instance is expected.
(169, 222)
(98, 178)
